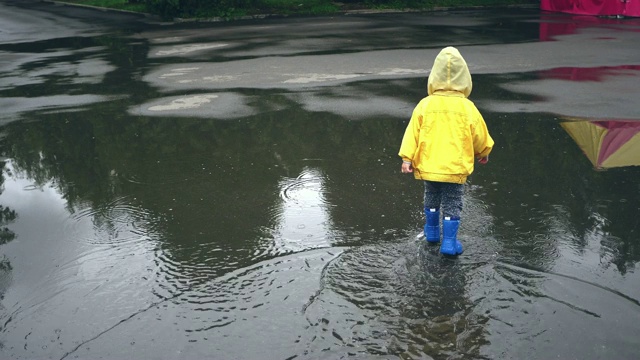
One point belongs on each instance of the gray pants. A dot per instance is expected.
(444, 196)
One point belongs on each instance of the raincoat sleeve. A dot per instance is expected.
(482, 141)
(411, 134)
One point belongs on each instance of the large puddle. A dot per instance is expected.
(273, 222)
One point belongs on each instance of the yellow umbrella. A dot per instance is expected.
(608, 143)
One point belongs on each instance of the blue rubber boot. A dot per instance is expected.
(450, 244)
(432, 226)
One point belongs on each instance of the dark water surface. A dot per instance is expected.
(272, 222)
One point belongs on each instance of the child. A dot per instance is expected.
(446, 132)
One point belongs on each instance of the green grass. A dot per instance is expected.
(208, 9)
(112, 4)
(298, 6)
(431, 4)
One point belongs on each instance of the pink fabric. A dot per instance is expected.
(553, 25)
(593, 7)
(589, 74)
(619, 132)
(632, 8)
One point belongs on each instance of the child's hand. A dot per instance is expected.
(483, 160)
(406, 168)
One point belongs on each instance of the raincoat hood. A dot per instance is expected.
(449, 73)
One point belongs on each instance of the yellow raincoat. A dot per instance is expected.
(446, 131)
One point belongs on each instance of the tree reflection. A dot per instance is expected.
(545, 193)
(206, 182)
(213, 187)
(7, 216)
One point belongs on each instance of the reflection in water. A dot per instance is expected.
(279, 227)
(554, 26)
(303, 218)
(607, 143)
(602, 92)
(183, 229)
(597, 74)
(7, 216)
(75, 259)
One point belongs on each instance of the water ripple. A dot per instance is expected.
(175, 169)
(116, 222)
(540, 273)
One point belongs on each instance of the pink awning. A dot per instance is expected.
(593, 7)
